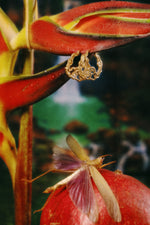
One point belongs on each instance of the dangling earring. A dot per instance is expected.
(83, 70)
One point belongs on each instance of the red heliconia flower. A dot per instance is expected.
(18, 91)
(85, 29)
(133, 198)
(93, 27)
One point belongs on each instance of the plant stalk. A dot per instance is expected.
(23, 189)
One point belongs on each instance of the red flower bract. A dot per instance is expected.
(133, 198)
(93, 27)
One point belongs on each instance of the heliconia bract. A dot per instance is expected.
(93, 27)
(89, 28)
(18, 91)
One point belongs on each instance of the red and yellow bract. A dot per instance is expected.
(93, 27)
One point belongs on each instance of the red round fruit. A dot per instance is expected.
(133, 198)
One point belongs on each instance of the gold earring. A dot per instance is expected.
(84, 70)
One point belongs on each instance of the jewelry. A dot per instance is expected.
(83, 70)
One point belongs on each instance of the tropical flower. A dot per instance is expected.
(83, 30)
